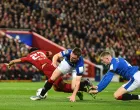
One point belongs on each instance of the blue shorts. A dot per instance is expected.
(133, 83)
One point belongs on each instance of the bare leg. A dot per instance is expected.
(122, 94)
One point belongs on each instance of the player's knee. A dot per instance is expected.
(116, 96)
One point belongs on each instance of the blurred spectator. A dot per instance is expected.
(88, 24)
(11, 49)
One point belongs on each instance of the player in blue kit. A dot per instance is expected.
(123, 68)
(72, 63)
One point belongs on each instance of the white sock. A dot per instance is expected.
(139, 97)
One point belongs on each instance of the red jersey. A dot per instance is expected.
(39, 59)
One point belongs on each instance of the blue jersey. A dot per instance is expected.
(79, 65)
(119, 66)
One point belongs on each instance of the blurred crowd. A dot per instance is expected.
(92, 25)
(11, 49)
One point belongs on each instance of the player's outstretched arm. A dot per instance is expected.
(13, 62)
(93, 89)
(72, 97)
(2, 34)
(103, 83)
(55, 59)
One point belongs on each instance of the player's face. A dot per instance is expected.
(73, 57)
(105, 60)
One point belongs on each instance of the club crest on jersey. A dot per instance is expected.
(117, 60)
(66, 52)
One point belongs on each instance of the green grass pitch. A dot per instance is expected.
(15, 96)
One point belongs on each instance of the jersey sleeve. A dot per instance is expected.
(80, 67)
(66, 52)
(105, 81)
(80, 71)
(24, 59)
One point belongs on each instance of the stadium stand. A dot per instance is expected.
(92, 25)
(11, 49)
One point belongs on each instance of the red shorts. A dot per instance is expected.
(48, 70)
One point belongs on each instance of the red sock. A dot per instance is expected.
(127, 96)
(119, 98)
(50, 81)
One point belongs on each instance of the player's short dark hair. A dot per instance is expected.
(33, 49)
(49, 54)
(77, 51)
(105, 53)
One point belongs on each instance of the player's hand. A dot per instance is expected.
(72, 98)
(2, 33)
(10, 64)
(93, 87)
(93, 91)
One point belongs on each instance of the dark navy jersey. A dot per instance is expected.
(119, 66)
(79, 65)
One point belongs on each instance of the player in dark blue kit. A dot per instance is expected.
(72, 63)
(123, 68)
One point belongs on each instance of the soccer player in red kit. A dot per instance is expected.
(40, 59)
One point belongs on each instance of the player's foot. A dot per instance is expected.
(80, 95)
(88, 84)
(37, 97)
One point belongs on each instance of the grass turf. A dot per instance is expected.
(15, 96)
